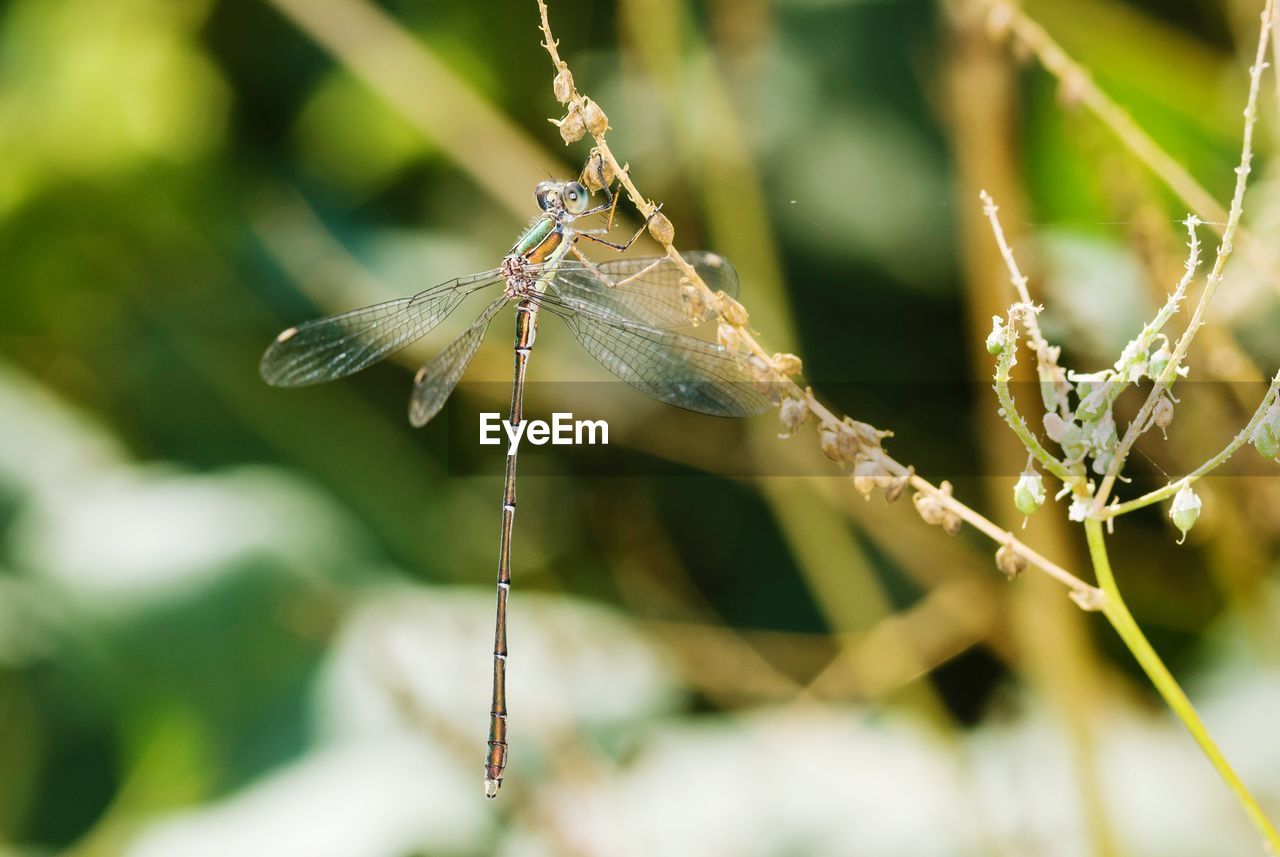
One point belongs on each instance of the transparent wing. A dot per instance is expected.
(645, 289)
(434, 382)
(680, 370)
(340, 345)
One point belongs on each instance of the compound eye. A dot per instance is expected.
(575, 198)
(545, 194)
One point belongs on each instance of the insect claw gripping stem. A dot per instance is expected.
(621, 248)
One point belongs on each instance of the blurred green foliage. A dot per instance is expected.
(193, 565)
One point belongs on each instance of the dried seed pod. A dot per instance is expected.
(896, 485)
(732, 311)
(1010, 562)
(830, 445)
(695, 307)
(850, 443)
(562, 86)
(787, 365)
(929, 508)
(572, 127)
(866, 436)
(793, 413)
(951, 522)
(763, 378)
(865, 476)
(1162, 415)
(661, 229)
(597, 123)
(597, 167)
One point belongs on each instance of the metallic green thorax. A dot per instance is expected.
(537, 233)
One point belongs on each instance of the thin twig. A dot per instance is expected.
(1047, 368)
(1009, 409)
(1005, 18)
(1142, 421)
(1244, 436)
(1087, 596)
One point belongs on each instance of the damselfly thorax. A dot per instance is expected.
(629, 313)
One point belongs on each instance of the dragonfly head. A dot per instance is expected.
(568, 197)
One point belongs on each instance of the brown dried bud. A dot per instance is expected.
(787, 365)
(1010, 562)
(866, 477)
(597, 123)
(661, 229)
(830, 445)
(694, 306)
(572, 127)
(866, 437)
(930, 509)
(793, 413)
(850, 442)
(1162, 416)
(562, 86)
(896, 485)
(762, 376)
(733, 312)
(934, 511)
(596, 168)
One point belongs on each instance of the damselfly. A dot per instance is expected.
(627, 313)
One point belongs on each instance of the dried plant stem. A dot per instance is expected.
(1086, 596)
(1122, 620)
(1047, 368)
(1083, 593)
(1142, 421)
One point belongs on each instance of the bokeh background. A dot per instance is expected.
(243, 621)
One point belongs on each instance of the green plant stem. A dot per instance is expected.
(1122, 620)
(1244, 436)
(1009, 411)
